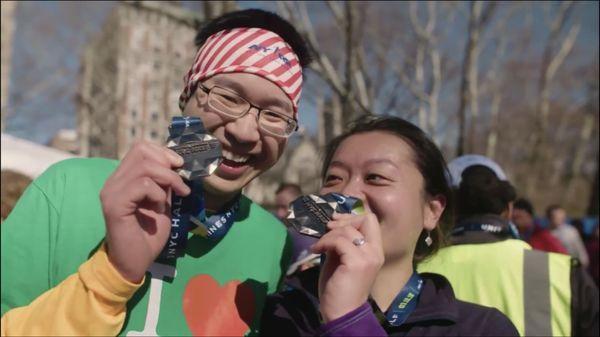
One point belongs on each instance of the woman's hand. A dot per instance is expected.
(349, 270)
(136, 205)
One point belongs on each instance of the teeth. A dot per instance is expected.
(235, 157)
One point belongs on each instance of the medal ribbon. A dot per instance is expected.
(486, 227)
(188, 214)
(403, 305)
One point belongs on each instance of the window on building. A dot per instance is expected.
(133, 113)
(132, 132)
(154, 116)
(154, 134)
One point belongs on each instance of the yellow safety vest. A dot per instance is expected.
(531, 287)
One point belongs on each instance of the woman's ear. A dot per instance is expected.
(434, 208)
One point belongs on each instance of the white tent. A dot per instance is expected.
(28, 158)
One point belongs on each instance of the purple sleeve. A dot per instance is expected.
(358, 322)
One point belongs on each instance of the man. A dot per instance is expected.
(244, 85)
(567, 235)
(302, 258)
(544, 294)
(538, 237)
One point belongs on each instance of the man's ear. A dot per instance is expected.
(434, 208)
(508, 212)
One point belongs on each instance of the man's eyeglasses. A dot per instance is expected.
(231, 104)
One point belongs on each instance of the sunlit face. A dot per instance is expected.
(522, 219)
(378, 167)
(247, 152)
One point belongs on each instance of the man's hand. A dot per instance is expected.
(136, 205)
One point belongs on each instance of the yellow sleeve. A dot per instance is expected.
(89, 302)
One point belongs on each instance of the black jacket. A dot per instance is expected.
(294, 312)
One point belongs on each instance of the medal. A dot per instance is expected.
(309, 214)
(201, 151)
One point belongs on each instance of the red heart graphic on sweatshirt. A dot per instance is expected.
(212, 310)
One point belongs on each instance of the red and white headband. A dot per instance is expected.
(246, 50)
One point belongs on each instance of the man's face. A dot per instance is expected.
(557, 217)
(247, 151)
(522, 219)
(282, 201)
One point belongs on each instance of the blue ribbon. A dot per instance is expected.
(405, 302)
(188, 214)
(486, 227)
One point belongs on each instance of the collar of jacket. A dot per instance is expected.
(436, 301)
(475, 237)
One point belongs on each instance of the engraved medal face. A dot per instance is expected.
(309, 214)
(201, 154)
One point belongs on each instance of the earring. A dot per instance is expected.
(428, 240)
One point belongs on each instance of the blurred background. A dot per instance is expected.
(515, 81)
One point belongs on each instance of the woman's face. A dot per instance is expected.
(379, 168)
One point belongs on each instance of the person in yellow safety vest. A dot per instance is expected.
(544, 294)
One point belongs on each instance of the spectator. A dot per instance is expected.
(13, 185)
(568, 236)
(540, 238)
(593, 251)
(544, 294)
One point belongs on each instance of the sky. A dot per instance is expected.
(48, 42)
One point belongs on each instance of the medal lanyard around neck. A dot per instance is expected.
(188, 214)
(509, 230)
(403, 305)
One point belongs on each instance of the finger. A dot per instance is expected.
(145, 188)
(143, 151)
(163, 176)
(342, 220)
(346, 233)
(335, 241)
(341, 216)
(371, 229)
(347, 252)
(366, 223)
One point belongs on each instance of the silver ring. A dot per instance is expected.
(358, 242)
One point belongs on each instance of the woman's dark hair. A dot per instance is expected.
(257, 18)
(429, 161)
(482, 192)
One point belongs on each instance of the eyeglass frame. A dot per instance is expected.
(207, 90)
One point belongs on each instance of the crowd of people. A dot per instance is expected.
(440, 249)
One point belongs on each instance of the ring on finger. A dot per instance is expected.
(358, 242)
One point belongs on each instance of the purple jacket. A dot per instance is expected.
(294, 312)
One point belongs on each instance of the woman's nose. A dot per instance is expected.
(354, 189)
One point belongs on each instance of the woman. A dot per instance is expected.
(367, 284)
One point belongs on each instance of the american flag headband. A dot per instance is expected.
(246, 50)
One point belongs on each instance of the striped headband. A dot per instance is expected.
(246, 50)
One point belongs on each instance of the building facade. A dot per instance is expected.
(132, 75)
(7, 30)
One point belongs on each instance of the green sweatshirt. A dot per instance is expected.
(216, 288)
